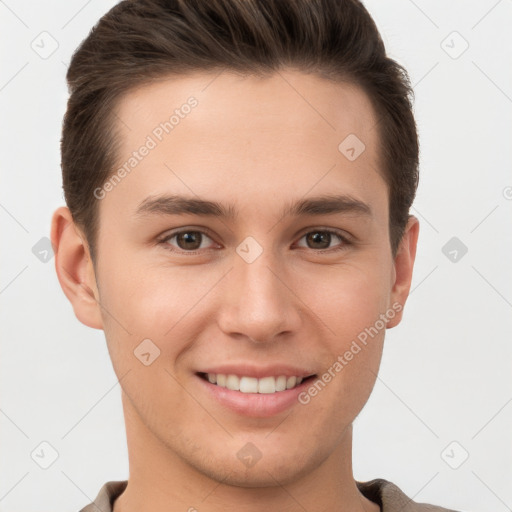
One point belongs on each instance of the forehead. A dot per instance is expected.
(284, 133)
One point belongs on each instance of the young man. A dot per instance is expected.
(238, 176)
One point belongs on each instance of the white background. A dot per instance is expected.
(446, 370)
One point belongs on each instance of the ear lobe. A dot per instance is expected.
(74, 268)
(403, 268)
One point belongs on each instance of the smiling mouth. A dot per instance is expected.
(244, 384)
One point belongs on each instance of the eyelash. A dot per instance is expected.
(343, 238)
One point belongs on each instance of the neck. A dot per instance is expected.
(161, 481)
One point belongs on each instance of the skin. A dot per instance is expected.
(257, 143)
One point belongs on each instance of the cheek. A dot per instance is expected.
(350, 307)
(156, 302)
(348, 298)
(145, 310)
(147, 297)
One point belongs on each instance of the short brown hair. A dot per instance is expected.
(138, 41)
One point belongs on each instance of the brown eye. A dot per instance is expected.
(318, 239)
(189, 240)
(186, 241)
(322, 239)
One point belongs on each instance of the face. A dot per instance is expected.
(284, 277)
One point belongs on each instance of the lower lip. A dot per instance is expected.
(256, 405)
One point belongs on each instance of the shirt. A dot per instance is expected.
(386, 494)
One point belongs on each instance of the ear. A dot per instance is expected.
(403, 267)
(74, 268)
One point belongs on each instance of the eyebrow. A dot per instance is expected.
(181, 205)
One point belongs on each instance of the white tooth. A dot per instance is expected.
(281, 383)
(267, 385)
(290, 382)
(233, 382)
(249, 385)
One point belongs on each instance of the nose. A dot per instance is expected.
(257, 301)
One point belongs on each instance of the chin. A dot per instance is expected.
(268, 475)
(273, 469)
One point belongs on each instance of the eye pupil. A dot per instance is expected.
(189, 237)
(317, 236)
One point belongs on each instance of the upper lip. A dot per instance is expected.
(250, 370)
